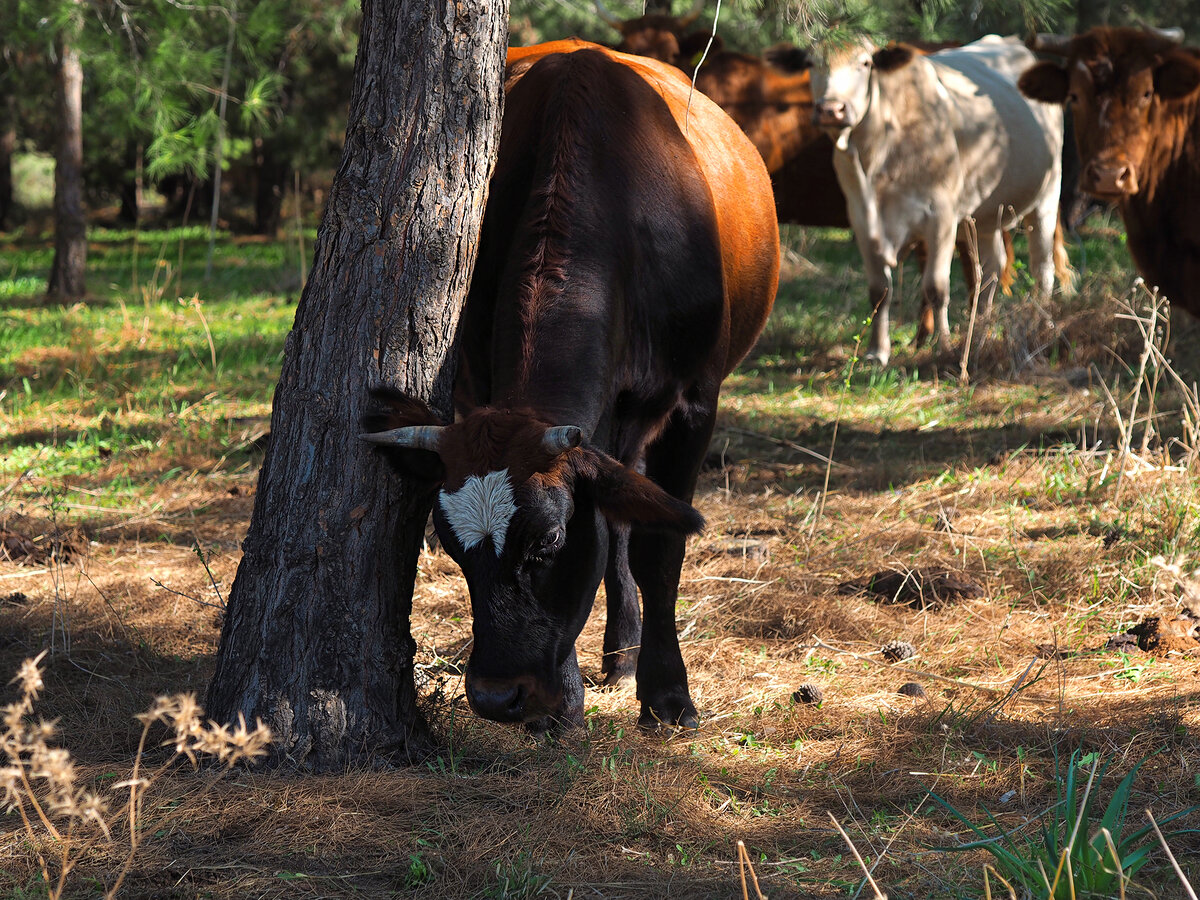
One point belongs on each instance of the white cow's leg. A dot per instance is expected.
(935, 281)
(992, 258)
(1042, 222)
(879, 286)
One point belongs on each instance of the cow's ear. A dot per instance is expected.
(788, 58)
(1177, 77)
(893, 57)
(390, 409)
(629, 497)
(1045, 81)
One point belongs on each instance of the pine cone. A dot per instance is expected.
(808, 693)
(895, 651)
(912, 689)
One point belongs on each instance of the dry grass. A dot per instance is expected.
(1002, 484)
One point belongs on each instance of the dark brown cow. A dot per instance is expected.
(628, 259)
(1135, 97)
(658, 36)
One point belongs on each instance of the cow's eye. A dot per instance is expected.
(866, 64)
(1072, 97)
(543, 551)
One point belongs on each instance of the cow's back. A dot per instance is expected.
(1009, 147)
(736, 177)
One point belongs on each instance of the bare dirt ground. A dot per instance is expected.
(1006, 565)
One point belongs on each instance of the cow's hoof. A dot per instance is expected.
(618, 679)
(619, 669)
(679, 714)
(877, 358)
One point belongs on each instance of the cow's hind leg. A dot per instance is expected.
(656, 559)
(623, 631)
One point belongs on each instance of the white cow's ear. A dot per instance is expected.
(1046, 81)
(1177, 77)
(893, 57)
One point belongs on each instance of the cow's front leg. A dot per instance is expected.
(662, 685)
(879, 287)
(623, 630)
(656, 559)
(935, 281)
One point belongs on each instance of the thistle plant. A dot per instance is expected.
(64, 817)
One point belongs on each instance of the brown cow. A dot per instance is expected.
(1135, 97)
(628, 260)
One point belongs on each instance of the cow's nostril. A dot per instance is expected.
(498, 700)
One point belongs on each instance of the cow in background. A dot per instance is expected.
(925, 143)
(770, 97)
(658, 36)
(626, 264)
(1135, 98)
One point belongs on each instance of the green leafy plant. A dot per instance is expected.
(1079, 852)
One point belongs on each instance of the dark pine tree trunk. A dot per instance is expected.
(8, 145)
(272, 171)
(316, 639)
(67, 272)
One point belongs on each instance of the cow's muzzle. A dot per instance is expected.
(1109, 178)
(520, 699)
(832, 114)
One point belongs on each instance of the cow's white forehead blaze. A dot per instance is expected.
(482, 507)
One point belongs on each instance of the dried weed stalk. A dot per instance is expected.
(1153, 322)
(64, 819)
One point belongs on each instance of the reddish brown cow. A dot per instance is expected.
(1135, 97)
(628, 259)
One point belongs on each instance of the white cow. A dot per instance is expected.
(924, 143)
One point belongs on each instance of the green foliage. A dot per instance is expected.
(1079, 852)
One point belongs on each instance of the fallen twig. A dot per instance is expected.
(879, 895)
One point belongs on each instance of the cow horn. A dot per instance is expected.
(561, 438)
(606, 17)
(1056, 44)
(416, 437)
(1174, 35)
(692, 15)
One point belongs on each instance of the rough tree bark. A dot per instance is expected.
(68, 271)
(316, 639)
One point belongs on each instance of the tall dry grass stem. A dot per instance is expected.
(879, 895)
(1174, 862)
(39, 779)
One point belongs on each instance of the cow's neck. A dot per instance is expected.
(555, 357)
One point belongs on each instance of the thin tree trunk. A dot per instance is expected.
(316, 639)
(67, 272)
(219, 150)
(8, 146)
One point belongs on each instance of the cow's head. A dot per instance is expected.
(658, 36)
(1122, 84)
(843, 82)
(522, 509)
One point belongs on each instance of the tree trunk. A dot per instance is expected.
(67, 272)
(8, 146)
(271, 171)
(316, 639)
